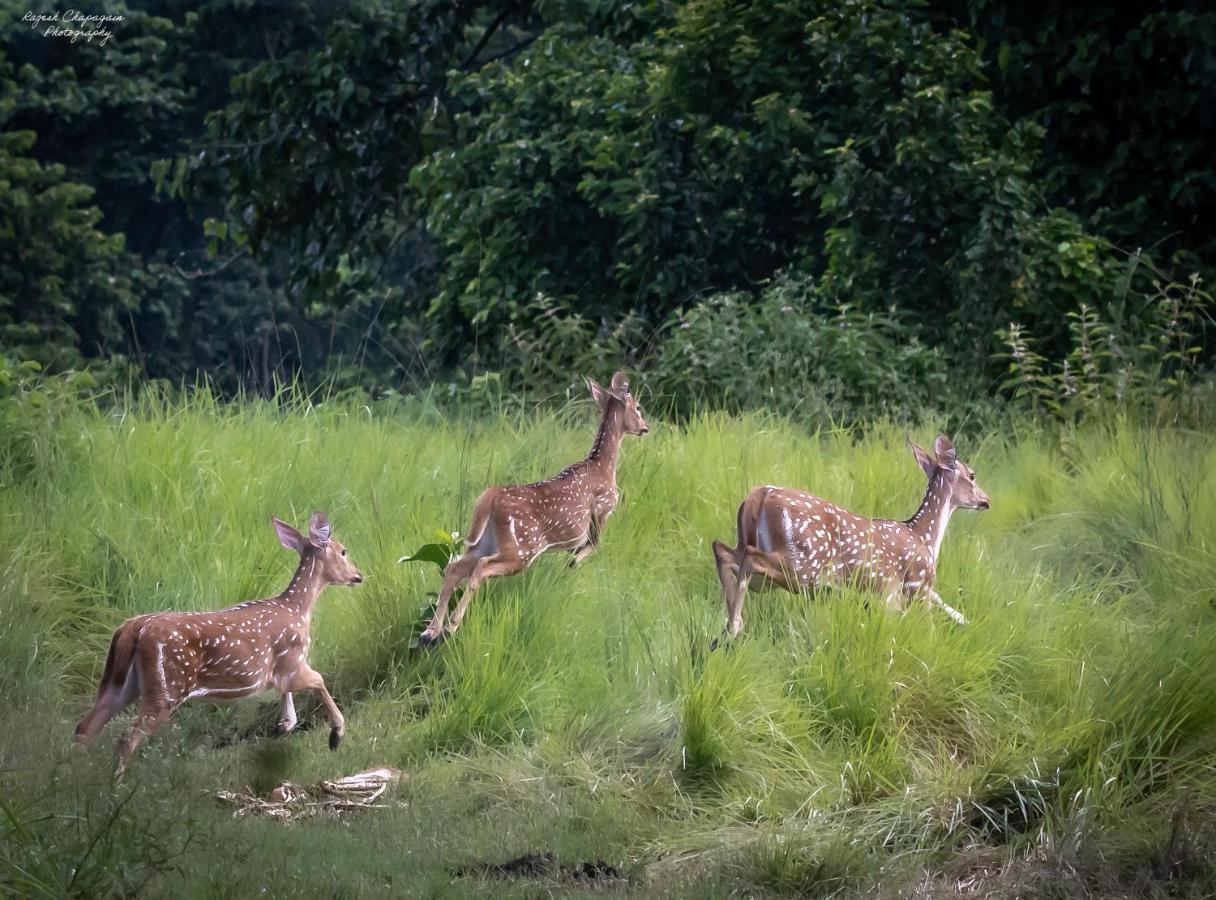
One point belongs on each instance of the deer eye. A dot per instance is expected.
(344, 549)
(972, 477)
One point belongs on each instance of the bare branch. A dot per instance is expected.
(199, 273)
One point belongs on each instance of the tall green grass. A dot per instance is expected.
(1062, 742)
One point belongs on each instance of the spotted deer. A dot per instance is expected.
(514, 524)
(165, 659)
(799, 542)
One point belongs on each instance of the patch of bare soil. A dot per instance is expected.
(591, 875)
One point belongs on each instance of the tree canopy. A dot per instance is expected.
(413, 190)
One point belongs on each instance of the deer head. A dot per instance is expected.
(617, 395)
(321, 546)
(958, 478)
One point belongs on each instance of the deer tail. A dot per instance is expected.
(118, 660)
(481, 518)
(111, 691)
(749, 517)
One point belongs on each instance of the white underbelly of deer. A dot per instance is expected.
(225, 694)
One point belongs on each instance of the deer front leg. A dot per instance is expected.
(308, 679)
(895, 597)
(589, 546)
(944, 606)
(765, 563)
(457, 571)
(583, 551)
(287, 721)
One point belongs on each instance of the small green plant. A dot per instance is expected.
(1027, 381)
(440, 552)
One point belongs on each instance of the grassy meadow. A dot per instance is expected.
(1061, 744)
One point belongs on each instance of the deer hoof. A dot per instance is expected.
(335, 738)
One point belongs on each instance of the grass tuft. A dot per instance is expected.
(1061, 743)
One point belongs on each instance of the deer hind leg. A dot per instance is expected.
(487, 567)
(308, 679)
(110, 702)
(752, 562)
(457, 571)
(582, 552)
(895, 597)
(153, 713)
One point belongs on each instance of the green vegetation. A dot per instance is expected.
(387, 195)
(1059, 745)
(807, 228)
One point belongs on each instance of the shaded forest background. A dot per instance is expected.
(842, 208)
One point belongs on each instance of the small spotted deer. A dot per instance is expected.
(514, 524)
(799, 542)
(165, 659)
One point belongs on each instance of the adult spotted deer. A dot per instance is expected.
(799, 542)
(165, 659)
(514, 524)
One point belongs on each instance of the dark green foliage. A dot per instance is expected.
(64, 282)
(393, 194)
(1122, 91)
(862, 146)
(438, 552)
(313, 153)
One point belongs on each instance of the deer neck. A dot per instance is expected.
(930, 521)
(607, 444)
(305, 586)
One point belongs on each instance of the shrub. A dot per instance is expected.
(792, 352)
(1150, 348)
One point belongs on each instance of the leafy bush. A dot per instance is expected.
(1149, 347)
(792, 351)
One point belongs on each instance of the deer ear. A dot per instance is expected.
(597, 393)
(318, 530)
(922, 458)
(946, 457)
(288, 536)
(620, 384)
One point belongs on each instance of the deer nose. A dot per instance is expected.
(358, 579)
(984, 503)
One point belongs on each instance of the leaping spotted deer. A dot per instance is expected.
(799, 542)
(514, 524)
(165, 659)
